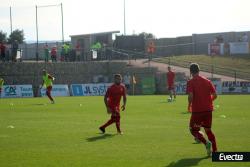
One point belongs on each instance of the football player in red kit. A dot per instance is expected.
(171, 82)
(201, 94)
(112, 100)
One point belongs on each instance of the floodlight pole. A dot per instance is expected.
(62, 24)
(10, 21)
(36, 35)
(124, 15)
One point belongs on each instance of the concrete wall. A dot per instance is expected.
(80, 73)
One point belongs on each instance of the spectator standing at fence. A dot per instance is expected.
(53, 53)
(1, 86)
(201, 94)
(62, 54)
(244, 38)
(171, 84)
(66, 51)
(14, 48)
(112, 100)
(78, 51)
(46, 52)
(48, 83)
(127, 81)
(2, 51)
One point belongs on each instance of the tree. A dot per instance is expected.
(147, 35)
(2, 36)
(16, 35)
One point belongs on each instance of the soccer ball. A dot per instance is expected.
(169, 99)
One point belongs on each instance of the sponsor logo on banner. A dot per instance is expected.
(239, 47)
(89, 89)
(236, 87)
(181, 87)
(17, 91)
(57, 90)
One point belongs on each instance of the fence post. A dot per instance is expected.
(212, 71)
(235, 76)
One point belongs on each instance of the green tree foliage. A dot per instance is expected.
(147, 35)
(2, 36)
(16, 35)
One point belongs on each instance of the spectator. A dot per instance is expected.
(66, 48)
(78, 52)
(126, 81)
(2, 51)
(53, 54)
(244, 38)
(14, 49)
(46, 52)
(219, 39)
(62, 54)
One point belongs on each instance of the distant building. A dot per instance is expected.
(85, 41)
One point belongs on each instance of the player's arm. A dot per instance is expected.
(124, 97)
(214, 96)
(190, 100)
(50, 77)
(106, 101)
(213, 91)
(42, 84)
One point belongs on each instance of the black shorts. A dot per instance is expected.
(127, 86)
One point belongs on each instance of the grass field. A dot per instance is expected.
(34, 133)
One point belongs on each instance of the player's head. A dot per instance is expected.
(194, 68)
(44, 72)
(117, 79)
(169, 68)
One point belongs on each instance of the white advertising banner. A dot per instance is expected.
(181, 87)
(92, 89)
(57, 90)
(235, 87)
(239, 47)
(12, 91)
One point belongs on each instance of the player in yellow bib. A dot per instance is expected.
(1, 85)
(48, 83)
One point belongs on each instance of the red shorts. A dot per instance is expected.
(115, 111)
(171, 87)
(49, 88)
(201, 119)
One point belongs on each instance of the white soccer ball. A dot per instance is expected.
(169, 99)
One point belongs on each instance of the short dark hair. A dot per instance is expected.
(117, 75)
(194, 68)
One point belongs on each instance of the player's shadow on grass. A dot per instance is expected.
(187, 162)
(100, 137)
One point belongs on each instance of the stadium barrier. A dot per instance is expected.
(225, 87)
(99, 89)
(57, 90)
(91, 89)
(13, 91)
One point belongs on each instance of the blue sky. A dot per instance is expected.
(163, 18)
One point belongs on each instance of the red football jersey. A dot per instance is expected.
(170, 78)
(202, 90)
(114, 94)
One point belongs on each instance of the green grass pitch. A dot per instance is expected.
(35, 133)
